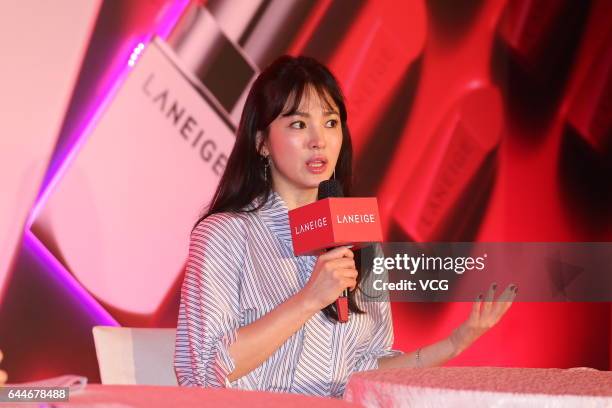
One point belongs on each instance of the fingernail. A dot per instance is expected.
(494, 286)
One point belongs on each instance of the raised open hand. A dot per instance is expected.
(484, 315)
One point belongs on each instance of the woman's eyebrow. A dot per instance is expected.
(307, 115)
(296, 113)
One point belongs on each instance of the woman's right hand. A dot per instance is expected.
(333, 272)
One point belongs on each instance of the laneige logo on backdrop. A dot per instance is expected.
(186, 124)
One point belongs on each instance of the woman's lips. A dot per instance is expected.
(316, 166)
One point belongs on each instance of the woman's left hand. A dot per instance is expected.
(485, 314)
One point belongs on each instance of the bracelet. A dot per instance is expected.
(418, 358)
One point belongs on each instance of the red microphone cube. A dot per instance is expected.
(333, 222)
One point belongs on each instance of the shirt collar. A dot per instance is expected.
(275, 215)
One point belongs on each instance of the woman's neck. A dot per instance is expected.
(297, 198)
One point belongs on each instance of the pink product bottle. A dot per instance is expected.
(590, 109)
(450, 20)
(448, 183)
(374, 58)
(539, 39)
(370, 56)
(526, 25)
(585, 164)
(154, 158)
(441, 174)
(372, 48)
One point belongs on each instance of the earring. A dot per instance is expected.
(266, 166)
(334, 175)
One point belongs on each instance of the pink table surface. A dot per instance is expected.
(124, 396)
(481, 386)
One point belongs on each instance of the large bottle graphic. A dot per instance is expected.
(120, 217)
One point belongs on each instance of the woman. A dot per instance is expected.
(250, 310)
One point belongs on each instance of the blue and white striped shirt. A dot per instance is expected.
(240, 267)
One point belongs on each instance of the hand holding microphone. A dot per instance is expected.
(332, 223)
(333, 273)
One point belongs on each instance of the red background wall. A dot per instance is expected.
(544, 70)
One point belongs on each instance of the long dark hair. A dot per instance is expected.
(279, 89)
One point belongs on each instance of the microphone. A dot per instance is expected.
(332, 221)
(327, 189)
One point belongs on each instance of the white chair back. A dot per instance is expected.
(135, 356)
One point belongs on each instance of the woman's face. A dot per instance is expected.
(305, 145)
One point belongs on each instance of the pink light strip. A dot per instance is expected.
(71, 284)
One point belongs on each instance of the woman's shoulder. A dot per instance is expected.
(221, 237)
(229, 222)
(222, 225)
(222, 219)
